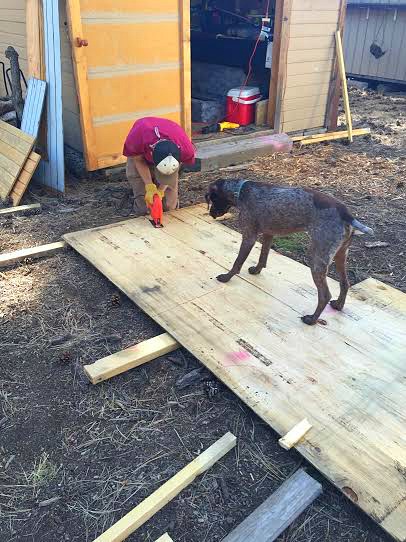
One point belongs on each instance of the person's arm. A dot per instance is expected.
(142, 167)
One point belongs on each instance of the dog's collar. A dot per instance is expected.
(237, 190)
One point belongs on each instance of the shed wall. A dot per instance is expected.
(12, 32)
(71, 115)
(310, 59)
(376, 2)
(385, 27)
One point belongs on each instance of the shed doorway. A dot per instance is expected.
(229, 51)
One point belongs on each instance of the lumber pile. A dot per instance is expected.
(18, 161)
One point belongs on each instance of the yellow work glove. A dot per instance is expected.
(161, 193)
(150, 191)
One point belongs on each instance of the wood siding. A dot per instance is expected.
(71, 113)
(13, 32)
(309, 64)
(385, 27)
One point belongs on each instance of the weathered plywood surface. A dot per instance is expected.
(15, 147)
(347, 378)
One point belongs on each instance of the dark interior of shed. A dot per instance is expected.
(231, 47)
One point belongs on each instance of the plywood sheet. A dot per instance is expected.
(15, 147)
(348, 378)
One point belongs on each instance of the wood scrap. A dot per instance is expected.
(273, 516)
(33, 107)
(20, 209)
(165, 538)
(341, 68)
(134, 356)
(24, 178)
(377, 244)
(261, 112)
(295, 434)
(10, 258)
(159, 498)
(15, 148)
(329, 136)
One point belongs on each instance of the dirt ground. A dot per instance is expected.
(75, 457)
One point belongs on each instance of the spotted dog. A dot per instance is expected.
(277, 210)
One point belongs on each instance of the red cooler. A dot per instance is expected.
(241, 105)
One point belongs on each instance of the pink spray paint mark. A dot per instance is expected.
(329, 310)
(236, 358)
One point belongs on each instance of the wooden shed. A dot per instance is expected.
(375, 40)
(124, 59)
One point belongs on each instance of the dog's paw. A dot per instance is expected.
(254, 270)
(337, 306)
(224, 278)
(309, 320)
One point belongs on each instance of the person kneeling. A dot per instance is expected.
(156, 149)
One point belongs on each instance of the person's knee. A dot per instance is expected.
(171, 205)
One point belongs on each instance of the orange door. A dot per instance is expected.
(131, 60)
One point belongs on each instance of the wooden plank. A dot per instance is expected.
(134, 356)
(52, 171)
(295, 434)
(274, 82)
(307, 91)
(24, 178)
(80, 68)
(33, 107)
(319, 43)
(305, 103)
(315, 66)
(168, 491)
(20, 209)
(11, 258)
(36, 57)
(348, 377)
(304, 124)
(311, 55)
(318, 110)
(281, 85)
(305, 17)
(311, 30)
(15, 147)
(335, 86)
(343, 77)
(275, 515)
(331, 135)
(261, 112)
(35, 39)
(334, 136)
(317, 5)
(316, 79)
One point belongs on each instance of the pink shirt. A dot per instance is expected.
(143, 135)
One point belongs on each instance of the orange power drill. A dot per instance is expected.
(156, 212)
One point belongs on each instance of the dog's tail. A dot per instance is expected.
(361, 227)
